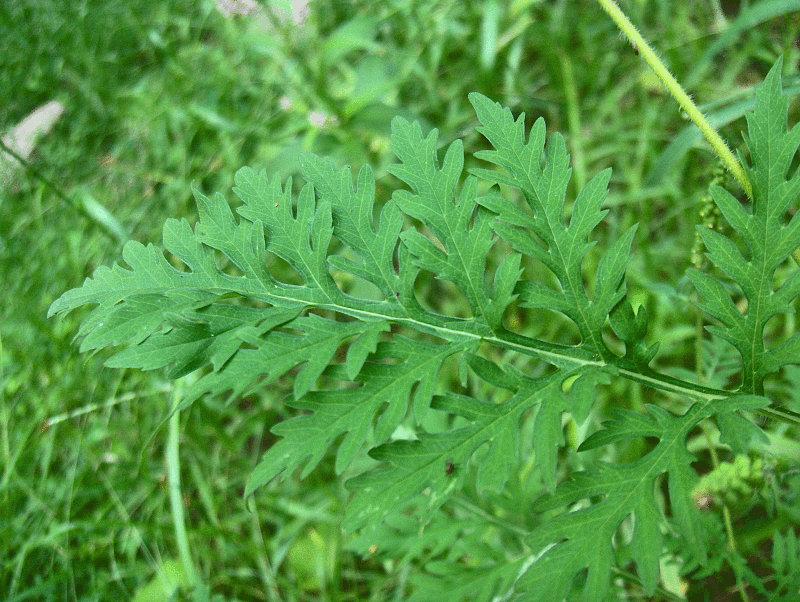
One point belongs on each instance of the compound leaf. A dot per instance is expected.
(245, 299)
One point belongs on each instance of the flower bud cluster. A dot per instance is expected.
(731, 483)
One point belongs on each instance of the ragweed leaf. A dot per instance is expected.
(276, 290)
(769, 237)
(462, 227)
(417, 464)
(582, 539)
(541, 172)
(352, 411)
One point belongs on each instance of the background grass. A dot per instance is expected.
(163, 95)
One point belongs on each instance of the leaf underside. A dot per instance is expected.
(223, 312)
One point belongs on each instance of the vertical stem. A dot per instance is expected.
(4, 441)
(678, 93)
(726, 513)
(174, 479)
(574, 120)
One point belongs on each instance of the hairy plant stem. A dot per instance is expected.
(678, 93)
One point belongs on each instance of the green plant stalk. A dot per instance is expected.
(574, 120)
(174, 479)
(678, 93)
(4, 441)
(75, 203)
(466, 504)
(726, 513)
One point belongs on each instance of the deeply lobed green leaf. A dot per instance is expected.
(225, 312)
(769, 238)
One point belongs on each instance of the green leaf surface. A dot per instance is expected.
(541, 172)
(417, 464)
(323, 286)
(386, 387)
(582, 539)
(769, 236)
